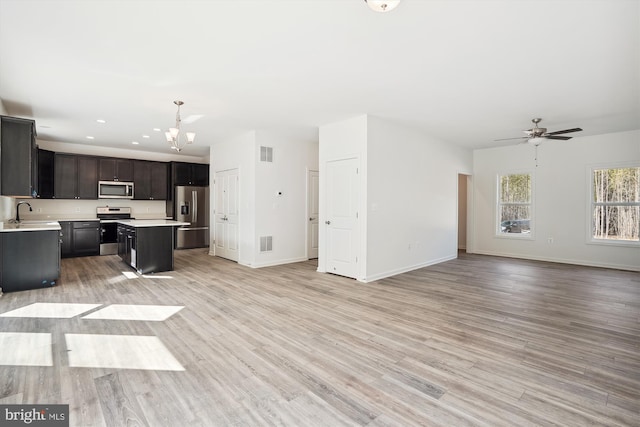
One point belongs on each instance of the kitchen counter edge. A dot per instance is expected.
(136, 223)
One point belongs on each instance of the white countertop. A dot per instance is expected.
(152, 223)
(29, 226)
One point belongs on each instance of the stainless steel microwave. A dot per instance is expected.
(115, 190)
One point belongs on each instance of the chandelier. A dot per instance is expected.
(382, 5)
(175, 138)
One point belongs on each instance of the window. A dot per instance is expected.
(514, 205)
(615, 205)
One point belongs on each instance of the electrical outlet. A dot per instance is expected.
(39, 210)
(550, 240)
(77, 209)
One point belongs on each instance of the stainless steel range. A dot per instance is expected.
(109, 228)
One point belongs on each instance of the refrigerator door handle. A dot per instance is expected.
(194, 213)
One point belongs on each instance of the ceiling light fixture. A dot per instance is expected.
(174, 137)
(382, 5)
(535, 141)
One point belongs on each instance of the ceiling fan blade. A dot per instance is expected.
(509, 139)
(558, 132)
(563, 138)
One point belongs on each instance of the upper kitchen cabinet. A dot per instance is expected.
(75, 177)
(18, 159)
(46, 164)
(189, 174)
(150, 180)
(112, 169)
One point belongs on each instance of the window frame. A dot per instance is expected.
(591, 204)
(498, 204)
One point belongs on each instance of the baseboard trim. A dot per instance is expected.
(407, 269)
(277, 262)
(563, 261)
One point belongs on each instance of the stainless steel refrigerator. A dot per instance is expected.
(192, 206)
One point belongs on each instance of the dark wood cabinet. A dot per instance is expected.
(189, 174)
(87, 177)
(30, 259)
(80, 238)
(18, 157)
(75, 177)
(46, 167)
(113, 169)
(150, 180)
(146, 249)
(66, 238)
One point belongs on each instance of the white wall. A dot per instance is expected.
(262, 211)
(408, 194)
(561, 197)
(412, 194)
(282, 216)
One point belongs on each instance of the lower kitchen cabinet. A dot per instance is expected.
(80, 238)
(146, 249)
(29, 260)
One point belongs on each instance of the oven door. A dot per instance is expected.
(108, 238)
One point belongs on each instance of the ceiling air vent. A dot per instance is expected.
(266, 243)
(266, 154)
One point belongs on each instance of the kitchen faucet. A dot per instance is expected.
(18, 209)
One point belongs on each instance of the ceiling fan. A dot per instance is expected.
(536, 134)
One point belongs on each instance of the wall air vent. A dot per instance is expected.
(266, 243)
(266, 154)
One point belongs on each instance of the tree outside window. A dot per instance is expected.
(615, 203)
(514, 204)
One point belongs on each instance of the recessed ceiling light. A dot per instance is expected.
(156, 129)
(101, 121)
(135, 142)
(89, 137)
(145, 136)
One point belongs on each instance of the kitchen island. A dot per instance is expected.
(29, 255)
(147, 245)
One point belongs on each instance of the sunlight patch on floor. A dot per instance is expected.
(151, 313)
(50, 310)
(25, 349)
(119, 352)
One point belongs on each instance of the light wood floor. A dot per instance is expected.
(475, 341)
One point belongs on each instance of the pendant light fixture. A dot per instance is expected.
(382, 5)
(175, 137)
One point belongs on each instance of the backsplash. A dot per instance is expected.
(81, 209)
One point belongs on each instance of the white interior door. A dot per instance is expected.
(226, 214)
(313, 211)
(342, 217)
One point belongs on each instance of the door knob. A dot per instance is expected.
(327, 222)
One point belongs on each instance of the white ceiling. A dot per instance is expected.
(466, 72)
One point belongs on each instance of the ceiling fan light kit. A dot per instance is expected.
(176, 139)
(382, 5)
